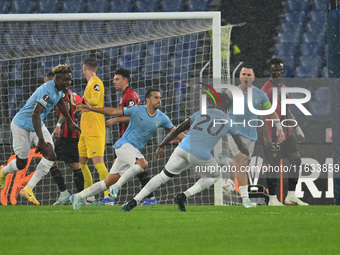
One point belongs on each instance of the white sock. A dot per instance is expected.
(128, 175)
(11, 167)
(291, 193)
(201, 184)
(244, 192)
(153, 184)
(95, 189)
(42, 169)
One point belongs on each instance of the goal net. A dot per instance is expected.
(167, 51)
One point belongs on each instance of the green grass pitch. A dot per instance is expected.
(164, 230)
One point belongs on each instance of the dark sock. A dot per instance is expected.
(144, 179)
(78, 179)
(292, 184)
(271, 183)
(58, 178)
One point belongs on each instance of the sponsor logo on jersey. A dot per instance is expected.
(131, 103)
(157, 122)
(97, 87)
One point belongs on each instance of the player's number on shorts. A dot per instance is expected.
(206, 119)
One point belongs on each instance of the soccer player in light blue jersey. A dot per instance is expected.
(194, 150)
(144, 121)
(27, 127)
(247, 128)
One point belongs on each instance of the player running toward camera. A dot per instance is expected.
(129, 98)
(92, 138)
(66, 146)
(287, 149)
(249, 133)
(27, 127)
(144, 121)
(194, 150)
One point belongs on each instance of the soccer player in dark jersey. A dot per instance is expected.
(66, 146)
(129, 98)
(288, 148)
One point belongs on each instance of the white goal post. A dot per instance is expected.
(166, 50)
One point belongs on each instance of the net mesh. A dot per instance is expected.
(163, 54)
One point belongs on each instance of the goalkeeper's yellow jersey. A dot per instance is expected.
(92, 123)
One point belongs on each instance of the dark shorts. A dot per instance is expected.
(280, 151)
(67, 150)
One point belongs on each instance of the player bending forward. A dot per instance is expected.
(144, 121)
(194, 150)
(28, 127)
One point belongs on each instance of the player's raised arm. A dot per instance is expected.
(104, 110)
(175, 132)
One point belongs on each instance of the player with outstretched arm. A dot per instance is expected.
(129, 98)
(144, 121)
(92, 138)
(194, 150)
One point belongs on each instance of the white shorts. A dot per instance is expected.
(181, 160)
(127, 155)
(234, 149)
(23, 139)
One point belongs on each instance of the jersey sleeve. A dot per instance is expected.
(43, 95)
(96, 90)
(167, 124)
(194, 115)
(265, 103)
(130, 99)
(129, 111)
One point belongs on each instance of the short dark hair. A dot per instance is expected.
(247, 66)
(275, 61)
(91, 63)
(148, 93)
(125, 73)
(50, 74)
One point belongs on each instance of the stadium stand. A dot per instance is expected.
(300, 5)
(47, 6)
(122, 5)
(172, 5)
(198, 5)
(22, 6)
(73, 6)
(4, 7)
(310, 20)
(98, 6)
(147, 6)
(320, 105)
